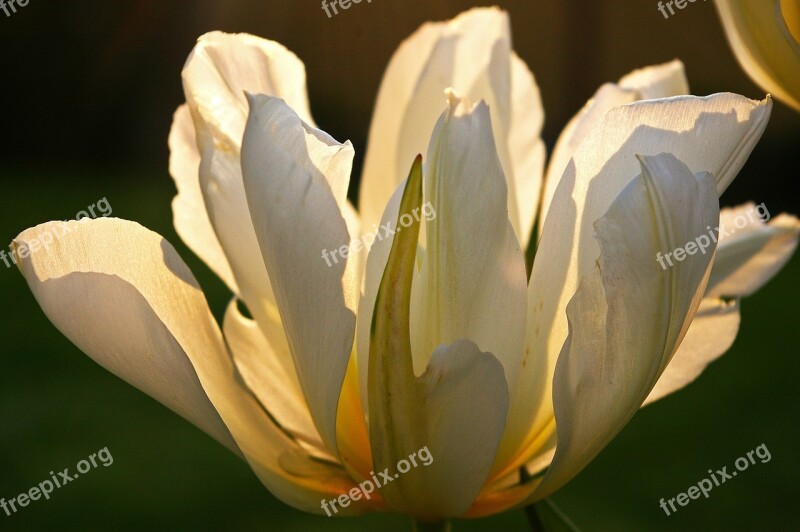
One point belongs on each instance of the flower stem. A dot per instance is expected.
(553, 516)
(534, 520)
(439, 526)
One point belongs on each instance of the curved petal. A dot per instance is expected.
(123, 295)
(629, 315)
(377, 259)
(473, 271)
(710, 335)
(471, 54)
(188, 208)
(765, 37)
(275, 388)
(526, 149)
(295, 176)
(223, 66)
(466, 399)
(750, 252)
(606, 98)
(81, 292)
(216, 75)
(657, 81)
(223, 190)
(437, 411)
(714, 134)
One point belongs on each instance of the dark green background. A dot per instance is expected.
(87, 94)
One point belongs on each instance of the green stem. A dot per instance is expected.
(439, 526)
(533, 519)
(553, 516)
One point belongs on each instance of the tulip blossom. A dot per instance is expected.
(436, 338)
(765, 37)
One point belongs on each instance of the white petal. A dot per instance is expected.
(223, 191)
(223, 66)
(216, 75)
(714, 134)
(657, 81)
(189, 209)
(765, 37)
(526, 149)
(629, 315)
(455, 411)
(123, 295)
(750, 251)
(297, 218)
(471, 54)
(466, 399)
(710, 335)
(749, 254)
(276, 389)
(471, 281)
(606, 98)
(84, 288)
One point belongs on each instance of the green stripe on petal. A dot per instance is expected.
(456, 410)
(393, 397)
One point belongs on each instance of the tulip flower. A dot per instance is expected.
(434, 338)
(765, 36)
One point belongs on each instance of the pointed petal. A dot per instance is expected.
(714, 134)
(473, 270)
(436, 411)
(226, 201)
(629, 315)
(377, 259)
(189, 208)
(657, 81)
(471, 54)
(750, 251)
(765, 37)
(223, 66)
(606, 98)
(292, 174)
(113, 321)
(216, 75)
(123, 295)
